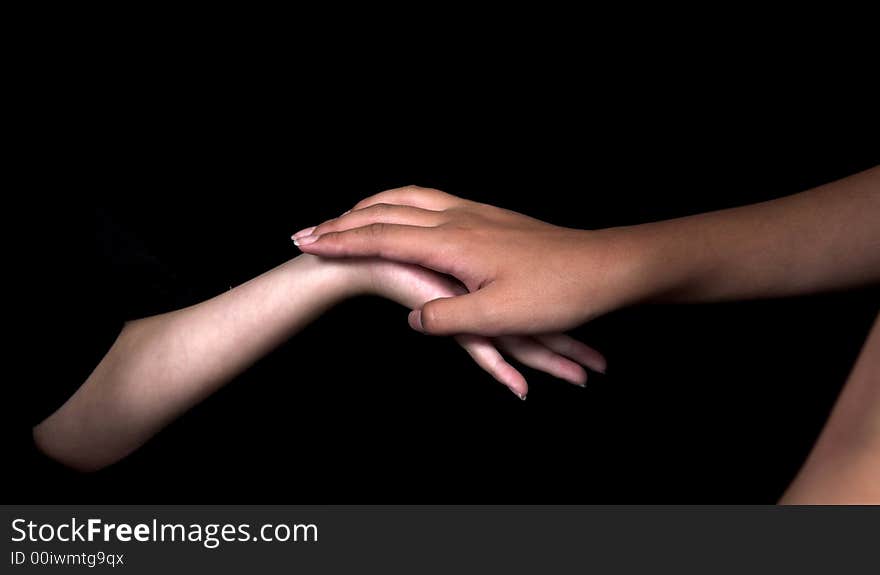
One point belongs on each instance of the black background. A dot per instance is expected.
(214, 157)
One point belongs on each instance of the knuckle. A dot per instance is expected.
(381, 208)
(413, 192)
(460, 219)
(456, 235)
(330, 241)
(323, 229)
(376, 230)
(369, 200)
(330, 238)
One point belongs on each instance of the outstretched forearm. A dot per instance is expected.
(822, 239)
(161, 366)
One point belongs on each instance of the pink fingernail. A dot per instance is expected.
(306, 240)
(303, 233)
(522, 396)
(415, 320)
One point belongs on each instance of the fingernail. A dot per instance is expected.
(581, 384)
(306, 240)
(415, 320)
(343, 213)
(303, 233)
(522, 396)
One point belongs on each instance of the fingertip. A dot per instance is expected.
(587, 356)
(303, 233)
(602, 365)
(514, 380)
(431, 317)
(578, 377)
(596, 362)
(570, 371)
(518, 386)
(301, 242)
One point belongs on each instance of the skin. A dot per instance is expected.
(527, 276)
(844, 466)
(160, 366)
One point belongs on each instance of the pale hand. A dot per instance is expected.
(410, 285)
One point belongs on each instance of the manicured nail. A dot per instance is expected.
(303, 233)
(306, 240)
(415, 320)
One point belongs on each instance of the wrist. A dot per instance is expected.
(625, 267)
(336, 279)
(667, 266)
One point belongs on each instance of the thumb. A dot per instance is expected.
(471, 313)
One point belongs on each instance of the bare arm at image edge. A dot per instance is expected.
(844, 465)
(528, 276)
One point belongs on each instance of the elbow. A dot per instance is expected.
(95, 426)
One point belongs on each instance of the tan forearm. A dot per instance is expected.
(822, 239)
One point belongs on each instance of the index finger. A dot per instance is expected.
(401, 243)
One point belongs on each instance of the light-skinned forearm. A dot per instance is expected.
(160, 366)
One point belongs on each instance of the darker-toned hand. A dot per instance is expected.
(524, 276)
